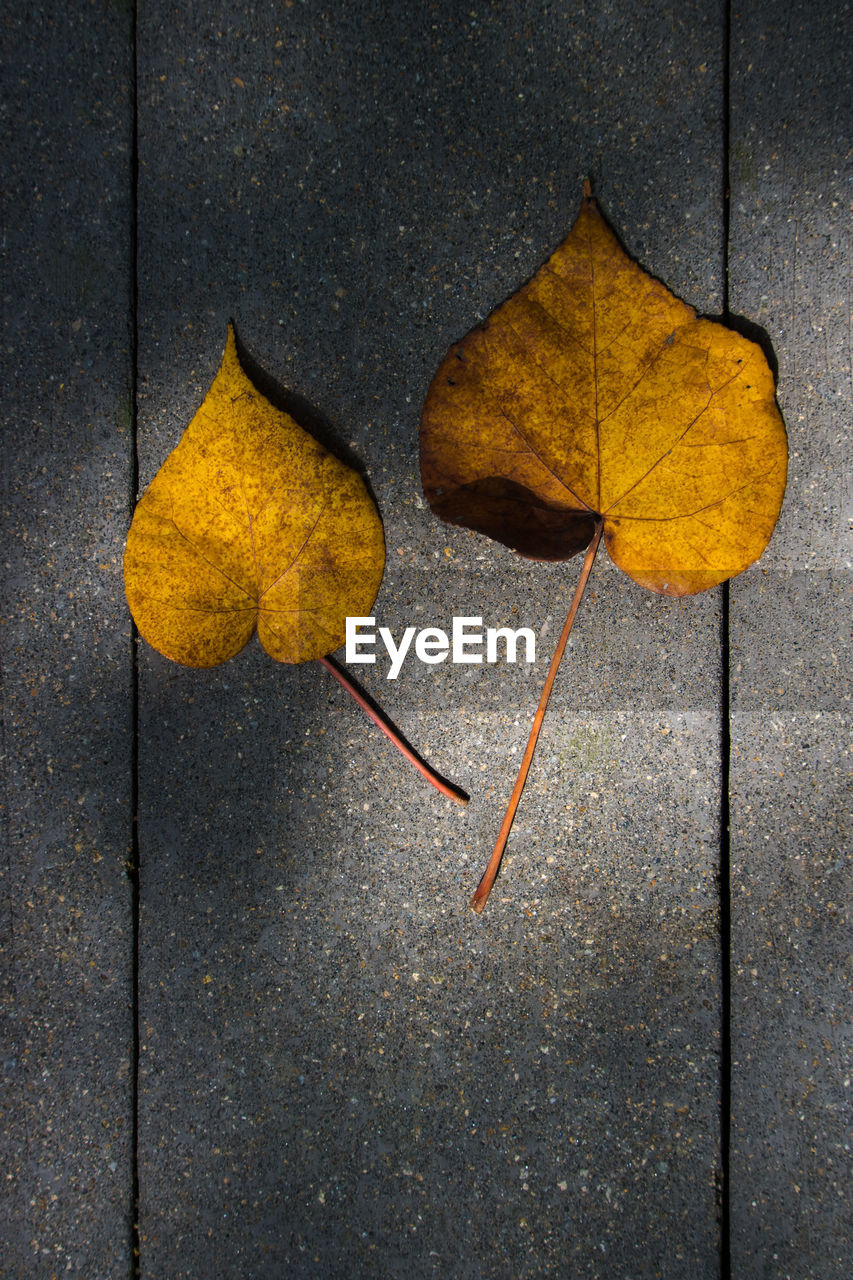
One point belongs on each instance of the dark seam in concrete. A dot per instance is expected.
(725, 743)
(133, 869)
(725, 944)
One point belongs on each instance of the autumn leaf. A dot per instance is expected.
(595, 393)
(251, 523)
(595, 402)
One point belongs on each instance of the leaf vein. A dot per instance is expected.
(539, 457)
(690, 425)
(633, 388)
(689, 515)
(309, 535)
(218, 568)
(572, 337)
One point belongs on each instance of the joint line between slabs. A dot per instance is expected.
(725, 733)
(133, 867)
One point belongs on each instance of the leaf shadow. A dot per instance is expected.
(753, 333)
(303, 412)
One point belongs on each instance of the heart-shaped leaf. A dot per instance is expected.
(250, 523)
(593, 393)
(595, 401)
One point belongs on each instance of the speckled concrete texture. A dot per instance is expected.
(66, 1006)
(790, 627)
(342, 1071)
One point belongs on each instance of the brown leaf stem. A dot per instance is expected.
(446, 788)
(485, 886)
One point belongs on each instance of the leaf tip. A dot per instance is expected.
(587, 189)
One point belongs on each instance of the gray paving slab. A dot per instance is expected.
(343, 1071)
(66, 934)
(790, 627)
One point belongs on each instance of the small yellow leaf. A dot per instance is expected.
(249, 523)
(592, 393)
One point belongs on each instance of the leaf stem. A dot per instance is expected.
(485, 886)
(446, 788)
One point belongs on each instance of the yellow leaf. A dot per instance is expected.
(595, 402)
(595, 392)
(250, 523)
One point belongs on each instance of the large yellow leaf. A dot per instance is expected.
(595, 392)
(595, 401)
(250, 522)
